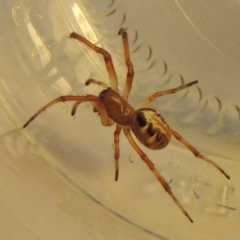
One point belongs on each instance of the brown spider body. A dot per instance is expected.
(147, 125)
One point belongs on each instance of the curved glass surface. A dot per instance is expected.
(57, 175)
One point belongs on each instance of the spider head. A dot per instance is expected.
(150, 128)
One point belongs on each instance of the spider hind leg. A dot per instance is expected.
(197, 153)
(151, 166)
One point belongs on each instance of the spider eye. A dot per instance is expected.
(141, 119)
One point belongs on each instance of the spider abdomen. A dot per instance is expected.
(151, 129)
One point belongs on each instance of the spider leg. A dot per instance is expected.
(130, 72)
(90, 81)
(163, 93)
(99, 107)
(198, 154)
(116, 149)
(151, 166)
(79, 99)
(107, 58)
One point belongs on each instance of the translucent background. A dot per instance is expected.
(57, 176)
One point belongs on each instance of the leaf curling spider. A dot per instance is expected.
(148, 126)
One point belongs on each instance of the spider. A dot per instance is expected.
(148, 126)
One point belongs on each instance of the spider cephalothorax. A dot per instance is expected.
(120, 111)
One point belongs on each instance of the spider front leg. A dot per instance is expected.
(198, 154)
(130, 72)
(106, 56)
(151, 166)
(79, 99)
